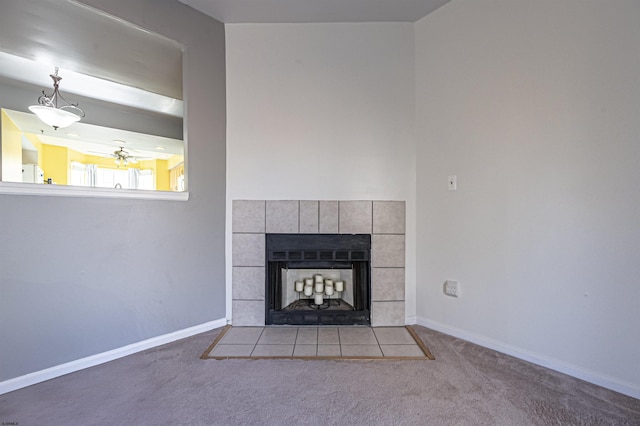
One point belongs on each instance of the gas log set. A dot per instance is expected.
(317, 288)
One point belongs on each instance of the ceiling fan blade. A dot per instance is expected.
(101, 154)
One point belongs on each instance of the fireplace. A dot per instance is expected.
(253, 220)
(318, 279)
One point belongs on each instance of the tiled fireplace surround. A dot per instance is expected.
(384, 220)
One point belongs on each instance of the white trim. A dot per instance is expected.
(78, 191)
(410, 320)
(93, 360)
(593, 377)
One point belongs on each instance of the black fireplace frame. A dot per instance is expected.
(318, 251)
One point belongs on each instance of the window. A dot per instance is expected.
(77, 174)
(92, 176)
(132, 117)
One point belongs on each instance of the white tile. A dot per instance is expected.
(242, 335)
(355, 217)
(393, 336)
(309, 217)
(328, 336)
(248, 313)
(357, 336)
(248, 216)
(305, 350)
(328, 217)
(273, 350)
(361, 350)
(282, 217)
(278, 336)
(248, 282)
(402, 351)
(387, 314)
(329, 350)
(248, 250)
(387, 284)
(388, 217)
(231, 350)
(387, 251)
(307, 336)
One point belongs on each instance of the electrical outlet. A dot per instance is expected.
(451, 288)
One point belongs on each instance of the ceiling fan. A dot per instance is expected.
(124, 158)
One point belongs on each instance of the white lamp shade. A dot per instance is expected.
(54, 117)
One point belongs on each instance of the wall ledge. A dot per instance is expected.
(630, 389)
(93, 360)
(77, 191)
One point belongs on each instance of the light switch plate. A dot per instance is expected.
(453, 183)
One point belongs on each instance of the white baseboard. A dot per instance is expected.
(93, 360)
(553, 364)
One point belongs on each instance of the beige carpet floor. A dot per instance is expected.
(465, 385)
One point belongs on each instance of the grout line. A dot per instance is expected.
(377, 341)
(372, 217)
(248, 233)
(254, 346)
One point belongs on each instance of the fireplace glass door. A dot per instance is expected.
(318, 279)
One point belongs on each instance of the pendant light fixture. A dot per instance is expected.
(50, 113)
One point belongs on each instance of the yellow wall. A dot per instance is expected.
(160, 172)
(11, 150)
(162, 175)
(55, 160)
(55, 163)
(175, 160)
(75, 156)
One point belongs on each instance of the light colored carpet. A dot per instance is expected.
(465, 385)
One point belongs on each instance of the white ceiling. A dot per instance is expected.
(290, 11)
(97, 140)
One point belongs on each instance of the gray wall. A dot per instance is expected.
(83, 276)
(534, 106)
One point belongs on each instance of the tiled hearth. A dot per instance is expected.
(319, 342)
(384, 220)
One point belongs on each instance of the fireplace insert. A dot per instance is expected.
(318, 279)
